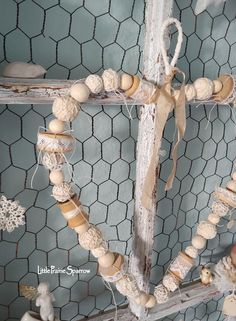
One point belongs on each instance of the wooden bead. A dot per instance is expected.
(198, 242)
(80, 92)
(142, 299)
(56, 177)
(231, 185)
(82, 228)
(217, 86)
(233, 255)
(151, 302)
(107, 259)
(126, 82)
(56, 126)
(213, 218)
(233, 176)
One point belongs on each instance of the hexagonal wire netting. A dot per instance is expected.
(72, 38)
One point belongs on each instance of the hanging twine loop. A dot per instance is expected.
(163, 98)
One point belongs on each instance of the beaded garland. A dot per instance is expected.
(52, 144)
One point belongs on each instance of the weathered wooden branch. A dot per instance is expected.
(141, 256)
(44, 91)
(189, 295)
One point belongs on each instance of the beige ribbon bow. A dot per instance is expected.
(165, 104)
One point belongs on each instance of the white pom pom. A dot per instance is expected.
(80, 92)
(106, 260)
(94, 83)
(65, 108)
(53, 161)
(56, 126)
(126, 82)
(217, 86)
(151, 302)
(190, 92)
(111, 80)
(62, 192)
(204, 88)
(191, 251)
(198, 242)
(56, 177)
(91, 239)
(206, 230)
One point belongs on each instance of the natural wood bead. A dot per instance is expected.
(56, 177)
(126, 82)
(198, 242)
(233, 176)
(82, 228)
(217, 84)
(231, 185)
(80, 92)
(233, 255)
(213, 218)
(107, 259)
(142, 299)
(151, 302)
(56, 126)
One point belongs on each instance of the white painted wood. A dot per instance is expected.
(191, 294)
(141, 256)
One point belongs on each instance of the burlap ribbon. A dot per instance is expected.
(165, 102)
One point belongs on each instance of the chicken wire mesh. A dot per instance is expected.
(72, 39)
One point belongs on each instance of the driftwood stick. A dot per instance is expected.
(141, 256)
(189, 295)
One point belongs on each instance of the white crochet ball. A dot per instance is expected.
(94, 83)
(198, 242)
(101, 250)
(91, 239)
(53, 161)
(213, 218)
(161, 294)
(206, 230)
(190, 92)
(111, 80)
(219, 208)
(204, 88)
(80, 92)
(62, 192)
(191, 252)
(65, 108)
(127, 286)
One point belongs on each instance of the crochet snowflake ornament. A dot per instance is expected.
(11, 214)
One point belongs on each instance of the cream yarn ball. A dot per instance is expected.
(53, 161)
(126, 82)
(190, 92)
(65, 108)
(191, 252)
(101, 250)
(170, 282)
(62, 192)
(127, 286)
(217, 86)
(161, 294)
(213, 218)
(206, 230)
(94, 83)
(111, 80)
(91, 239)
(106, 260)
(56, 177)
(80, 92)
(142, 299)
(151, 302)
(220, 208)
(204, 88)
(56, 126)
(198, 242)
